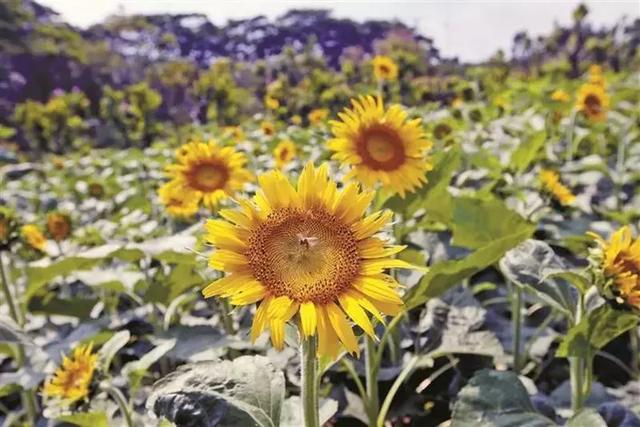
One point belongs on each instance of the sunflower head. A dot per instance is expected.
(617, 266)
(206, 173)
(57, 162)
(308, 252)
(8, 227)
(268, 128)
(58, 226)
(33, 236)
(560, 96)
(595, 75)
(384, 68)
(296, 120)
(235, 132)
(178, 201)
(551, 184)
(96, 190)
(271, 103)
(593, 102)
(317, 115)
(284, 152)
(72, 379)
(381, 145)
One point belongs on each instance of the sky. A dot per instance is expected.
(472, 30)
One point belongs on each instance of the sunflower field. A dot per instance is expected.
(316, 222)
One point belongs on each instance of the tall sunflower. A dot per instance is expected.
(618, 260)
(208, 172)
(309, 252)
(72, 379)
(284, 152)
(178, 201)
(593, 101)
(384, 68)
(381, 145)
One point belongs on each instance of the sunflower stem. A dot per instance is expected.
(28, 397)
(570, 131)
(577, 367)
(227, 320)
(309, 374)
(117, 395)
(516, 323)
(371, 367)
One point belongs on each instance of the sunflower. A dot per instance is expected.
(71, 380)
(307, 251)
(595, 75)
(381, 145)
(618, 260)
(561, 96)
(33, 236)
(235, 132)
(593, 102)
(58, 226)
(271, 103)
(8, 227)
(178, 201)
(296, 120)
(267, 128)
(96, 190)
(317, 115)
(208, 173)
(384, 68)
(284, 153)
(551, 183)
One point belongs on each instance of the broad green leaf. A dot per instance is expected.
(496, 399)
(246, 391)
(86, 419)
(576, 278)
(478, 222)
(587, 417)
(75, 307)
(432, 196)
(446, 274)
(39, 276)
(527, 151)
(595, 330)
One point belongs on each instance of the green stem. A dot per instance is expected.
(310, 407)
(372, 364)
(516, 323)
(577, 367)
(356, 379)
(117, 395)
(394, 389)
(572, 125)
(227, 320)
(28, 396)
(634, 346)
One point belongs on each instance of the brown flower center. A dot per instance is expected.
(307, 255)
(208, 177)
(380, 148)
(592, 104)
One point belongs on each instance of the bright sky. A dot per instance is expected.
(469, 29)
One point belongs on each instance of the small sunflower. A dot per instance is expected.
(384, 68)
(208, 172)
(561, 96)
(550, 181)
(595, 75)
(33, 236)
(268, 128)
(58, 226)
(96, 190)
(271, 103)
(235, 132)
(72, 379)
(179, 201)
(593, 101)
(317, 115)
(381, 145)
(308, 251)
(296, 120)
(8, 227)
(284, 152)
(618, 262)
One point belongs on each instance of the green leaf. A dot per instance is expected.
(39, 276)
(247, 391)
(496, 399)
(137, 369)
(433, 196)
(86, 419)
(595, 330)
(75, 307)
(111, 347)
(587, 417)
(11, 332)
(478, 222)
(576, 278)
(446, 274)
(527, 151)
